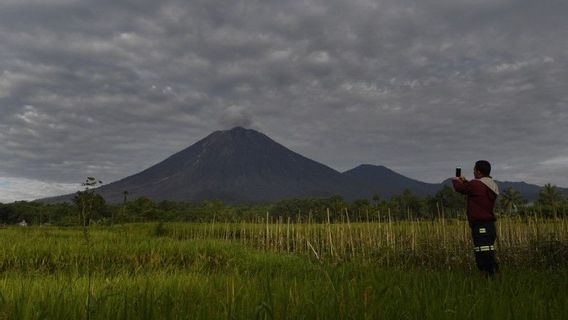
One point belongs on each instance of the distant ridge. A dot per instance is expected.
(245, 166)
(385, 182)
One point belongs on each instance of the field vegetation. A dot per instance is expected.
(402, 258)
(277, 269)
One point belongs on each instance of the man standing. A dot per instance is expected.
(481, 195)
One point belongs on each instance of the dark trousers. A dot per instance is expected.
(484, 235)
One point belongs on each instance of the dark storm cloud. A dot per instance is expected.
(109, 88)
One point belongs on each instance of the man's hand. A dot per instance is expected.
(460, 179)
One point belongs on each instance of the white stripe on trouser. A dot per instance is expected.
(484, 248)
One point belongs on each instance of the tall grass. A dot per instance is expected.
(280, 269)
(442, 243)
(283, 289)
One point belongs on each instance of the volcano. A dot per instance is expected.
(234, 166)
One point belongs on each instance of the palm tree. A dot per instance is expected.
(376, 199)
(511, 199)
(549, 196)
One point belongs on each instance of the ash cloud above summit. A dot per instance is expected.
(109, 88)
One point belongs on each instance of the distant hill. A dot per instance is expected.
(243, 165)
(385, 182)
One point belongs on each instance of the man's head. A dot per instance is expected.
(482, 169)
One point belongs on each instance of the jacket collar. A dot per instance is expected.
(490, 183)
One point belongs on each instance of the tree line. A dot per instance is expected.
(90, 208)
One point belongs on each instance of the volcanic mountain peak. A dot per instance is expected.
(237, 165)
(238, 136)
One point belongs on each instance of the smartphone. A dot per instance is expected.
(458, 172)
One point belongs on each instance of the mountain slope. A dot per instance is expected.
(238, 165)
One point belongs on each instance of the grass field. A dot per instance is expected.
(280, 270)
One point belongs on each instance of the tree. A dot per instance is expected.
(510, 200)
(359, 209)
(7, 214)
(87, 201)
(376, 199)
(90, 205)
(123, 211)
(550, 198)
(406, 203)
(337, 204)
(446, 199)
(143, 208)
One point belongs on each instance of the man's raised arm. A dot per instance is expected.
(461, 185)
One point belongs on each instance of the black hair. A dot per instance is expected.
(484, 167)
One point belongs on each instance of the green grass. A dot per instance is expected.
(259, 271)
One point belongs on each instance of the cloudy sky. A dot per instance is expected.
(111, 87)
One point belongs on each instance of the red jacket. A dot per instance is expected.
(480, 200)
